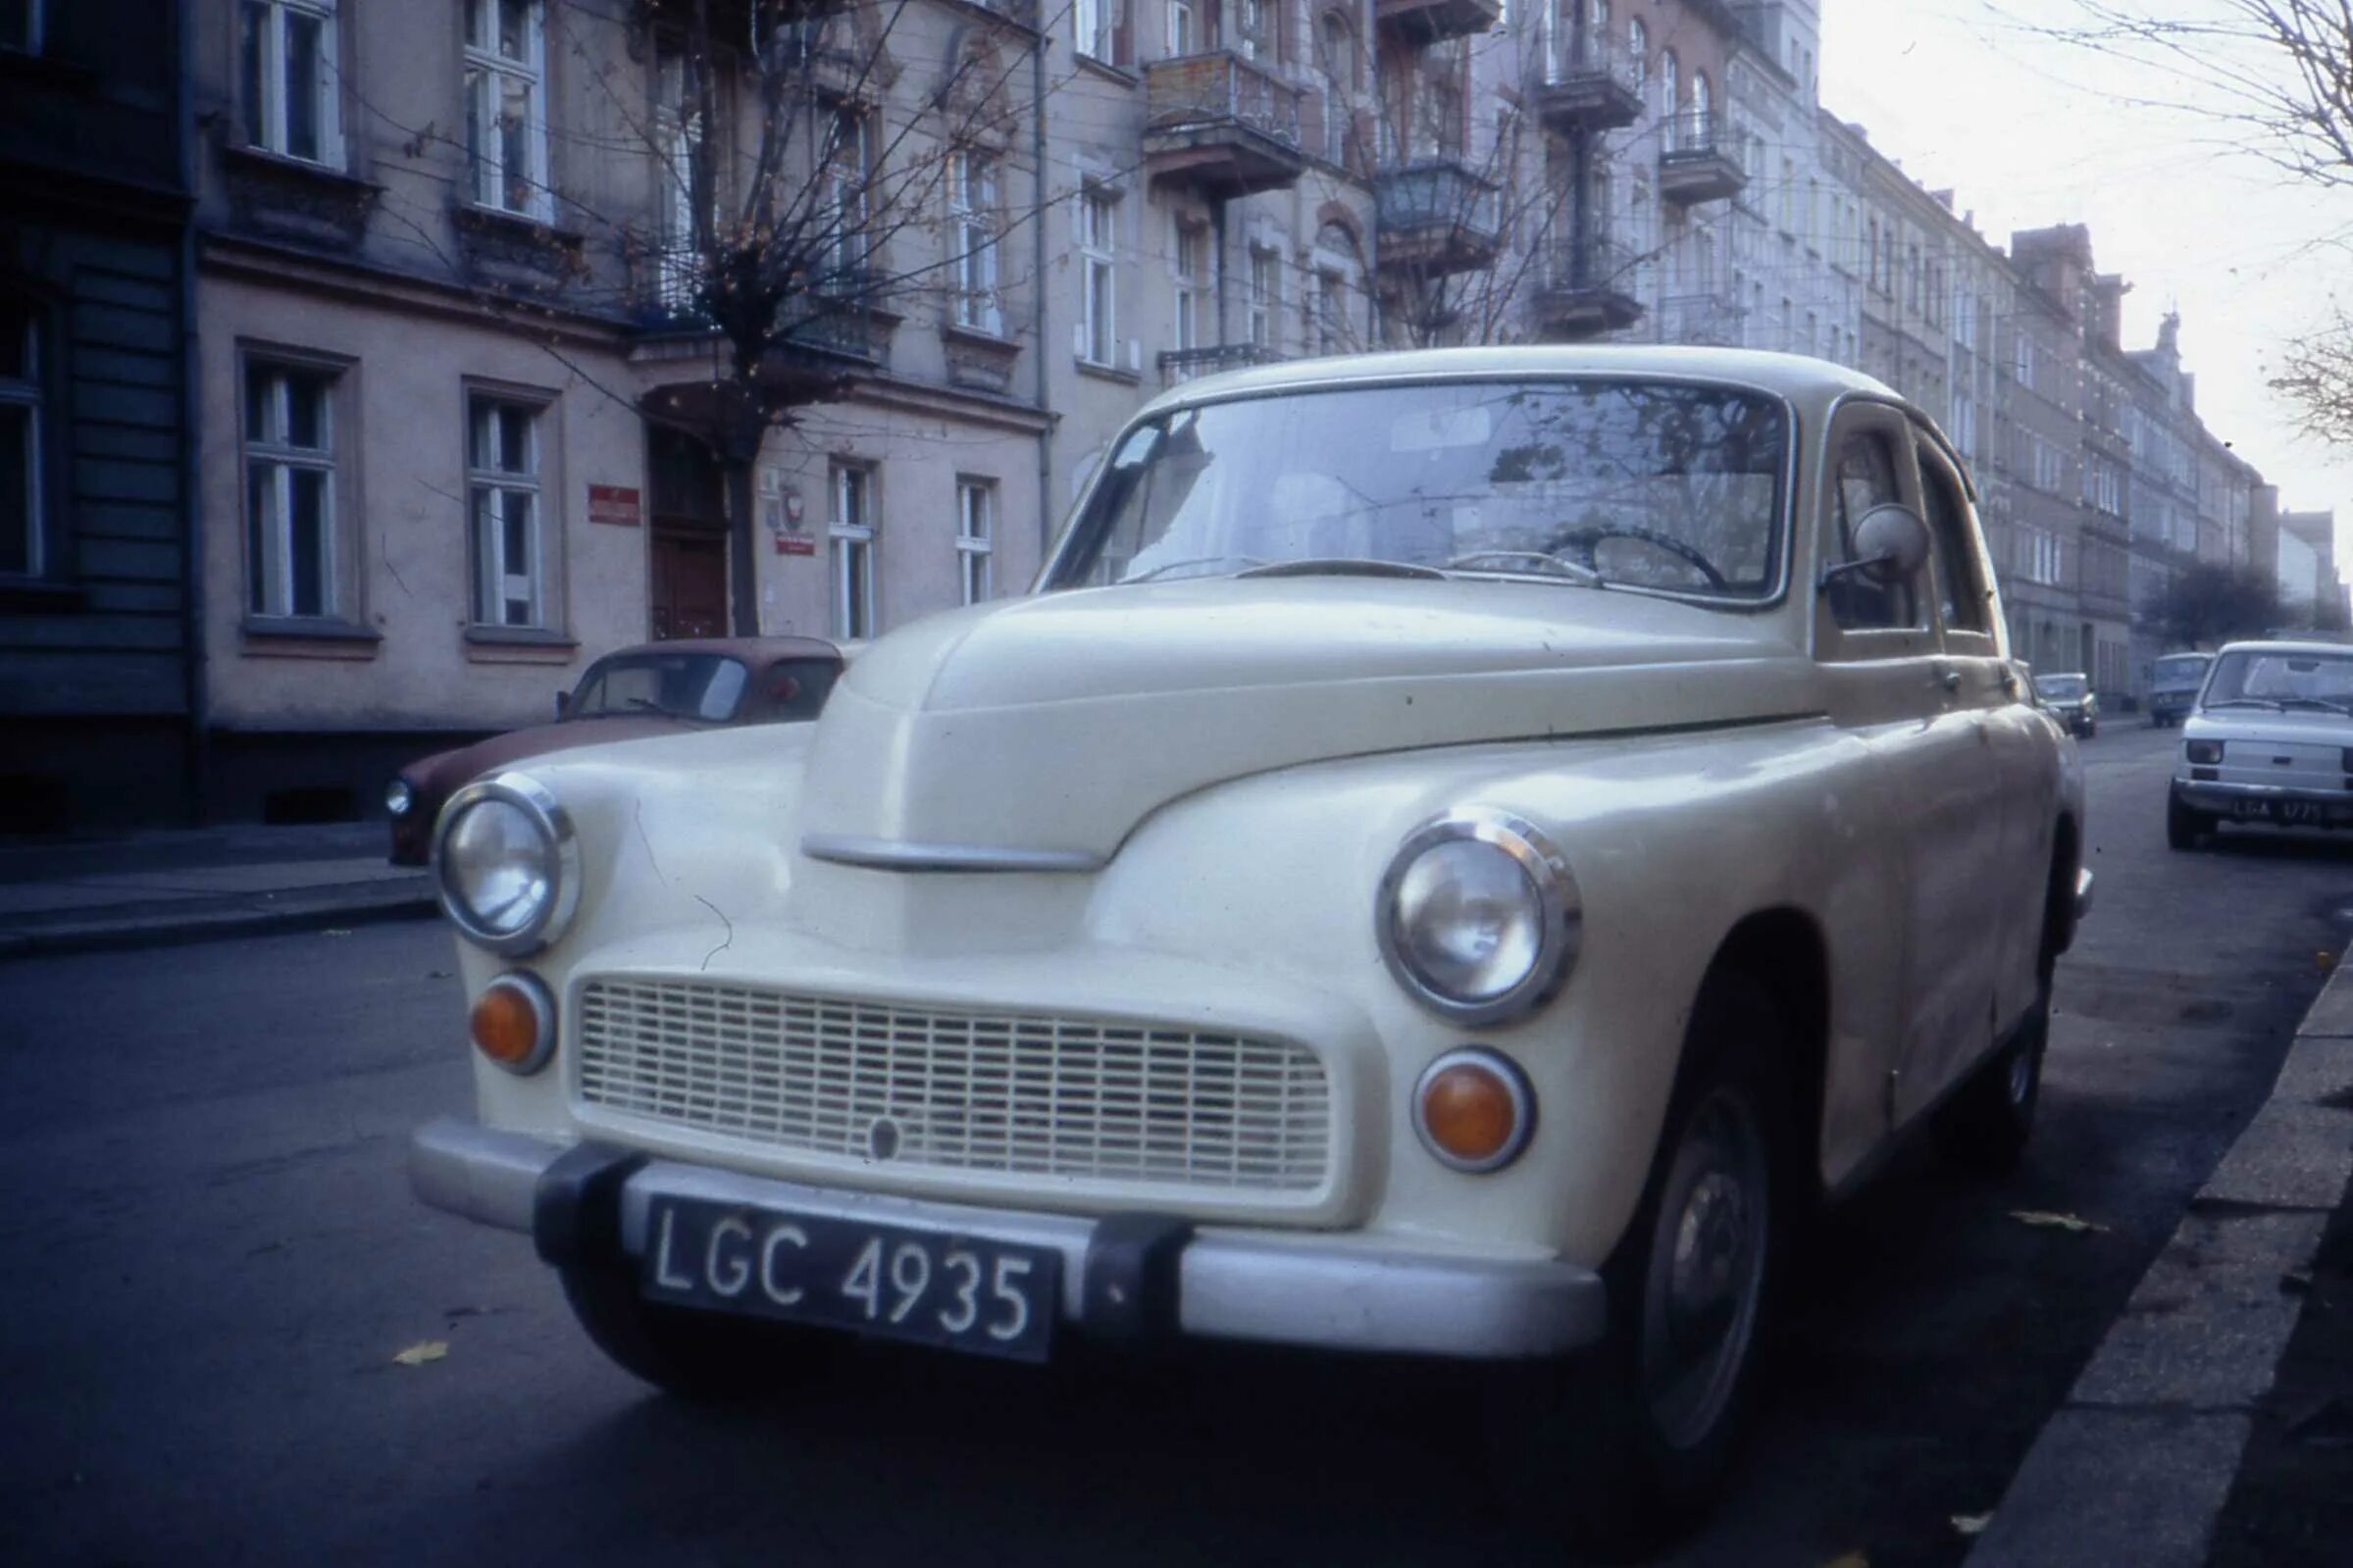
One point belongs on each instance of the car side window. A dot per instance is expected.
(1961, 595)
(1867, 477)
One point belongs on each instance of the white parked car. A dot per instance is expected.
(1458, 854)
(2270, 741)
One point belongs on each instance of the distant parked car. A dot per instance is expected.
(2072, 701)
(2270, 740)
(2173, 686)
(655, 689)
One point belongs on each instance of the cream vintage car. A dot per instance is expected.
(1459, 852)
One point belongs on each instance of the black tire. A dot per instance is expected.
(1986, 1123)
(1610, 1452)
(2184, 828)
(704, 1356)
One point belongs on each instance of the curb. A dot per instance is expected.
(356, 904)
(2136, 1465)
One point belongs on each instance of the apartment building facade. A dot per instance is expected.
(97, 681)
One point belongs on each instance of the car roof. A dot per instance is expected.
(2286, 645)
(752, 650)
(1796, 376)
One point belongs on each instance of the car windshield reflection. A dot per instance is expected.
(703, 688)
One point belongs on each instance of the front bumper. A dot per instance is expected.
(1345, 1291)
(2333, 807)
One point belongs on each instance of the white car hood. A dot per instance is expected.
(1055, 724)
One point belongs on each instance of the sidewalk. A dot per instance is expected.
(2213, 1426)
(154, 888)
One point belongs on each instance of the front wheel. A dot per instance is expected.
(2184, 828)
(1615, 1449)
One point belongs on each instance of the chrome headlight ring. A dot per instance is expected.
(559, 863)
(1553, 890)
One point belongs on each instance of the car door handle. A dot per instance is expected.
(2009, 681)
(1950, 679)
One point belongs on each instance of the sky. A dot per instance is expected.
(2030, 132)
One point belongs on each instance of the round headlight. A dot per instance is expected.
(507, 864)
(1478, 916)
(398, 797)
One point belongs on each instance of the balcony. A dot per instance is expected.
(1702, 320)
(1181, 365)
(1587, 289)
(1422, 20)
(1220, 124)
(1699, 163)
(823, 337)
(1587, 84)
(1436, 218)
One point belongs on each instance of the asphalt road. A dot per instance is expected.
(211, 1258)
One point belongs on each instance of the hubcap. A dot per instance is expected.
(1707, 1272)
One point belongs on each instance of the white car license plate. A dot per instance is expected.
(991, 1297)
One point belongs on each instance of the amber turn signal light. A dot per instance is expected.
(513, 1023)
(1474, 1110)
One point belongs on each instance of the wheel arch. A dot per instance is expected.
(1784, 950)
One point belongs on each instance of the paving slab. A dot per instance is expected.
(2161, 1480)
(2206, 1327)
(2318, 1070)
(2332, 1013)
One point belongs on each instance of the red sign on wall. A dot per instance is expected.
(795, 545)
(613, 503)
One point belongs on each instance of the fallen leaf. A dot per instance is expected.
(335, 931)
(1971, 1524)
(423, 1350)
(1848, 1560)
(2324, 962)
(2073, 1223)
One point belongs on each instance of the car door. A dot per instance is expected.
(2013, 837)
(1888, 682)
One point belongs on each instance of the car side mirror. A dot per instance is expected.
(1891, 545)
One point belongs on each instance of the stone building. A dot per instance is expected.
(97, 682)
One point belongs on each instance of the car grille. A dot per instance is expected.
(1036, 1095)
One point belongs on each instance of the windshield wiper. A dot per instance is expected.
(2246, 702)
(1166, 567)
(2321, 703)
(1342, 566)
(1574, 571)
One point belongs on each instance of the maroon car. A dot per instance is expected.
(656, 689)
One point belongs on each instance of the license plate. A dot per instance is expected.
(989, 1297)
(2287, 813)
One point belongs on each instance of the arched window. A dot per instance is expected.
(1638, 44)
(1670, 85)
(1702, 100)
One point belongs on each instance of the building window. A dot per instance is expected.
(678, 127)
(853, 548)
(289, 491)
(972, 200)
(1184, 27)
(1099, 303)
(19, 440)
(1266, 296)
(288, 77)
(1670, 88)
(1638, 44)
(1090, 27)
(502, 461)
(1195, 304)
(975, 534)
(849, 176)
(507, 133)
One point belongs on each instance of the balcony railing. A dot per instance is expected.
(1178, 365)
(1437, 215)
(1699, 160)
(1425, 20)
(1588, 288)
(1220, 121)
(1592, 263)
(1585, 80)
(1702, 319)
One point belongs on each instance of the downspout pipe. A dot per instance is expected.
(1039, 187)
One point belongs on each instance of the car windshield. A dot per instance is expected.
(2060, 687)
(2258, 678)
(704, 687)
(2176, 674)
(1656, 485)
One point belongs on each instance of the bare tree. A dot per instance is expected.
(2280, 73)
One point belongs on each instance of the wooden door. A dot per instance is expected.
(690, 584)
